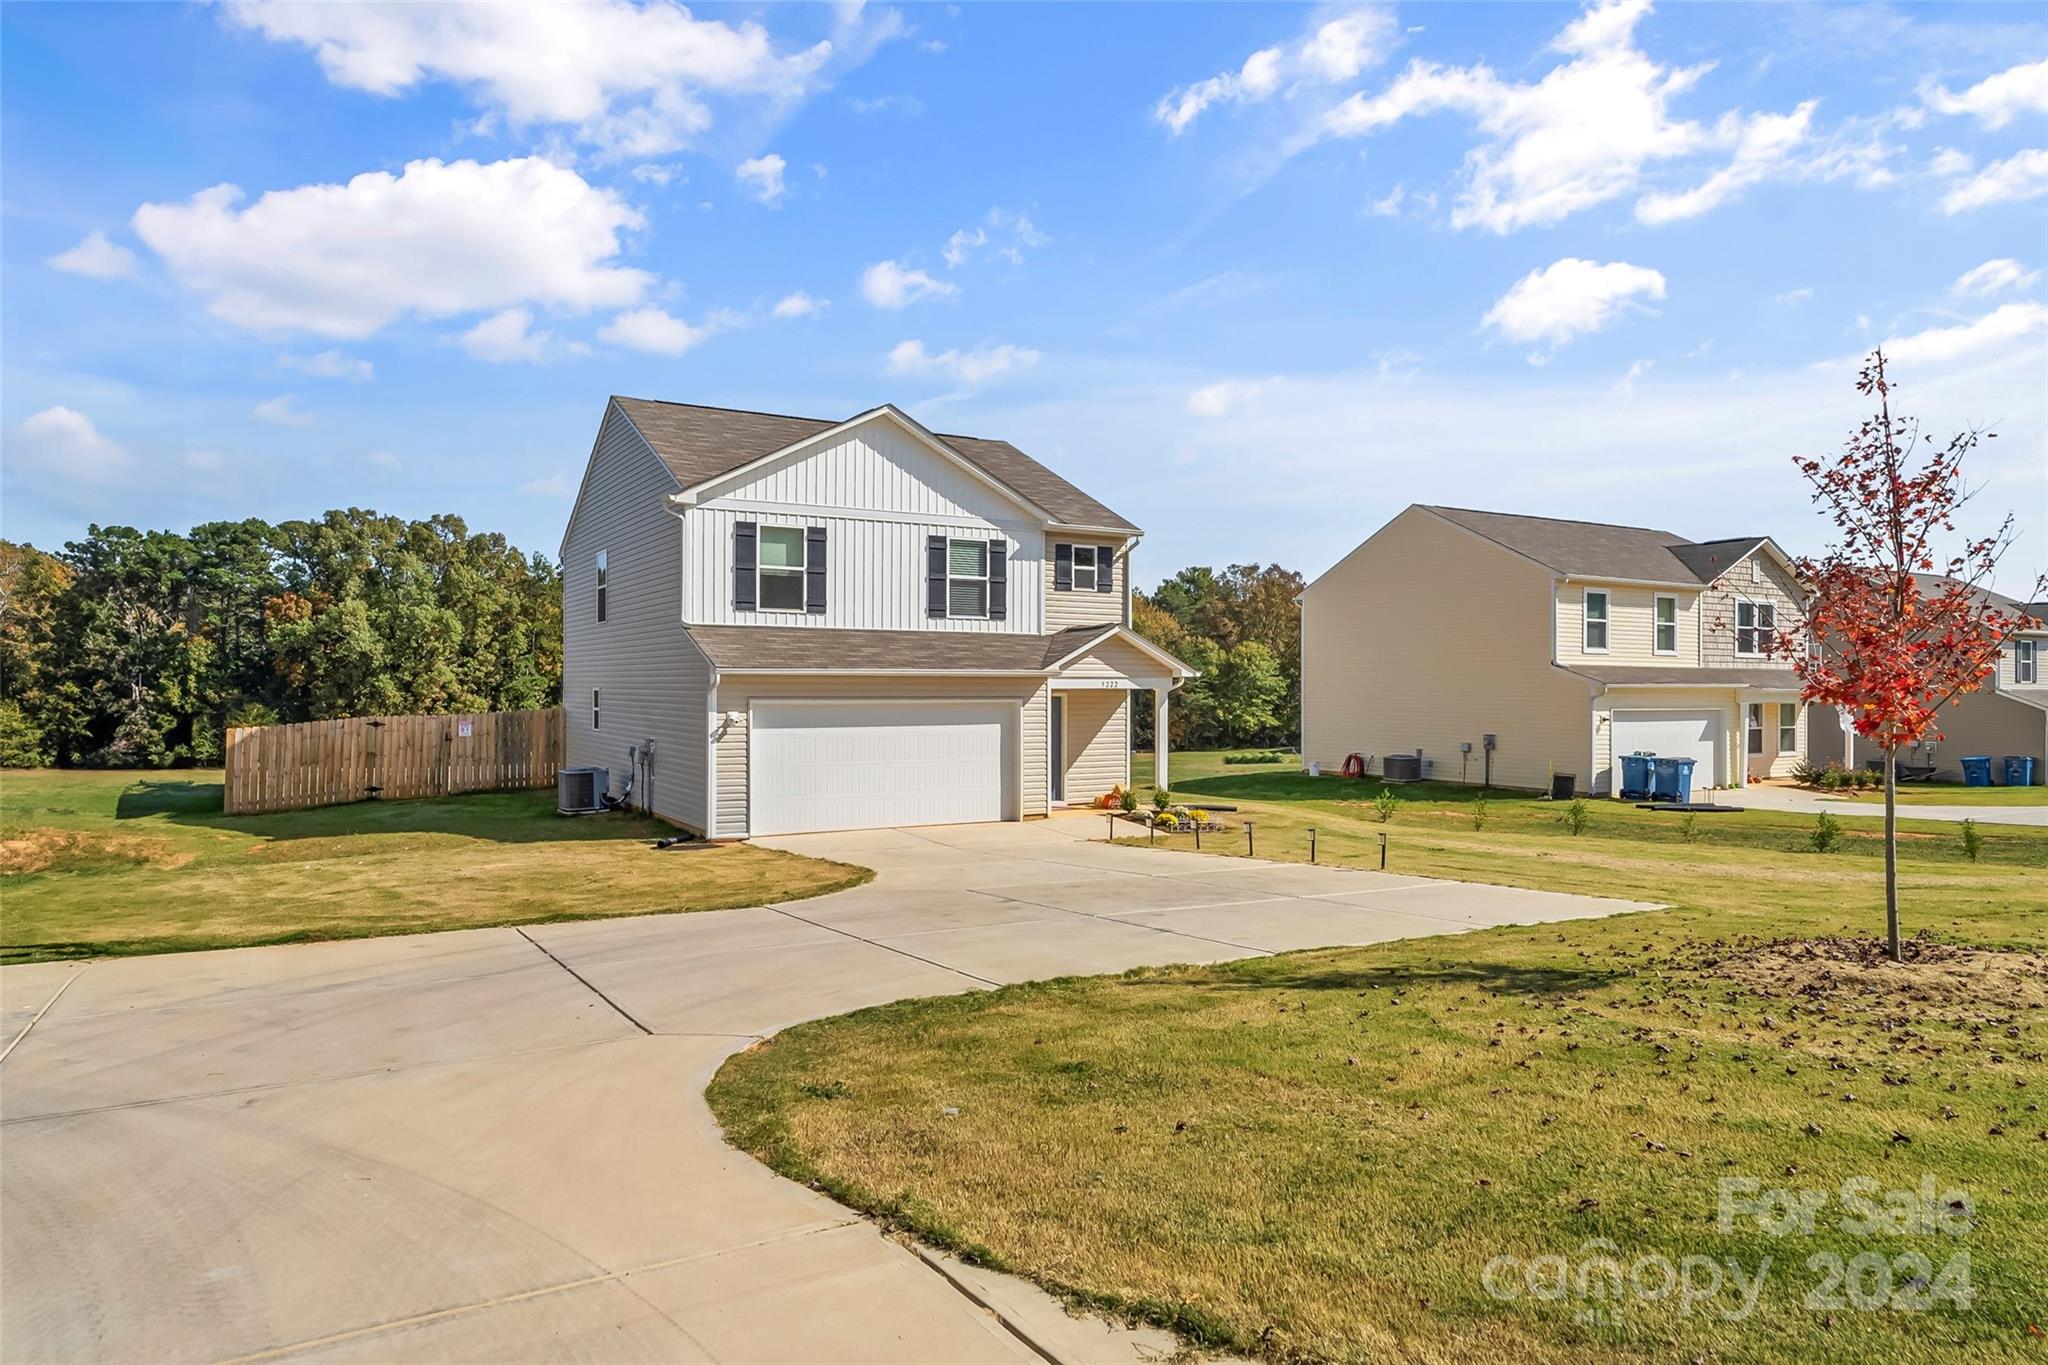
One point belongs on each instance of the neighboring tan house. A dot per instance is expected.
(1567, 642)
(844, 624)
(2007, 716)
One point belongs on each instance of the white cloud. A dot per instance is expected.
(1794, 296)
(2003, 325)
(1764, 144)
(506, 338)
(279, 412)
(437, 240)
(553, 486)
(1390, 205)
(1335, 50)
(659, 173)
(383, 459)
(799, 305)
(629, 79)
(762, 177)
(963, 367)
(1570, 298)
(2020, 177)
(1227, 396)
(328, 365)
(1948, 163)
(1012, 234)
(886, 284)
(96, 258)
(908, 105)
(656, 332)
(206, 461)
(961, 245)
(1995, 100)
(1627, 387)
(1994, 277)
(62, 444)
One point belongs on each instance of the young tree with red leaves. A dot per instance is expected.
(1890, 650)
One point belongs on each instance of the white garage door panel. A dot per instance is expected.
(869, 765)
(1672, 734)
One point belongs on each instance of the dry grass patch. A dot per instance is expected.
(70, 850)
(1857, 973)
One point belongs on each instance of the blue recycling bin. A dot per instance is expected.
(1671, 779)
(1977, 771)
(1635, 775)
(2019, 771)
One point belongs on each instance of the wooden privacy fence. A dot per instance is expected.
(389, 758)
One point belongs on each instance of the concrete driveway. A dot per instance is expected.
(492, 1145)
(1764, 797)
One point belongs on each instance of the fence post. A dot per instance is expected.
(1383, 850)
(1198, 834)
(1311, 843)
(1250, 850)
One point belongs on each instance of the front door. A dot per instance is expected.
(1056, 758)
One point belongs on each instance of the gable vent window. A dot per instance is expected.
(782, 568)
(1596, 622)
(603, 586)
(967, 578)
(1084, 567)
(1756, 625)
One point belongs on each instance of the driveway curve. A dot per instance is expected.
(493, 1144)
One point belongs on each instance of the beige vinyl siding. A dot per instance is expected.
(1781, 762)
(1427, 636)
(1980, 723)
(640, 659)
(1084, 606)
(1115, 659)
(1630, 633)
(1717, 613)
(736, 693)
(2009, 670)
(1098, 742)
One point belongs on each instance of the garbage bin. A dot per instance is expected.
(2019, 770)
(1561, 785)
(1977, 771)
(1671, 779)
(1635, 775)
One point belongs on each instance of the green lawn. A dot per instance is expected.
(98, 863)
(1316, 1156)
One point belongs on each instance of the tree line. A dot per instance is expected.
(140, 648)
(1242, 629)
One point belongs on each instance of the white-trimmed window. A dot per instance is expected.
(1756, 628)
(1595, 633)
(1756, 727)
(595, 710)
(779, 571)
(967, 577)
(1788, 727)
(2023, 670)
(603, 585)
(1664, 623)
(1085, 566)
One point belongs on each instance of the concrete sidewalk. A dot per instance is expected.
(492, 1145)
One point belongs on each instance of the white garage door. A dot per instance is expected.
(869, 765)
(1672, 734)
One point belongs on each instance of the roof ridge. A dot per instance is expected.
(1564, 521)
(747, 412)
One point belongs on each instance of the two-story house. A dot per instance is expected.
(2007, 716)
(1511, 649)
(820, 624)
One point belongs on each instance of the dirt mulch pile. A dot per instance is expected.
(1858, 970)
(67, 850)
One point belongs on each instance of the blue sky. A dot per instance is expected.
(1258, 276)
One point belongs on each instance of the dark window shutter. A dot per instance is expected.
(998, 579)
(1063, 567)
(743, 565)
(814, 570)
(934, 575)
(1105, 569)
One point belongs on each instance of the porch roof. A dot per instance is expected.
(1622, 675)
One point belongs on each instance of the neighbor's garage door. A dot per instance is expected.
(1673, 734)
(868, 765)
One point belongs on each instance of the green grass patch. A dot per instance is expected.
(1953, 794)
(109, 863)
(1315, 1156)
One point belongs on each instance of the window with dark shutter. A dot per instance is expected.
(1105, 569)
(814, 570)
(934, 575)
(1063, 568)
(998, 580)
(743, 533)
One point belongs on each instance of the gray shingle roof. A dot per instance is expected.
(700, 443)
(1622, 675)
(1595, 549)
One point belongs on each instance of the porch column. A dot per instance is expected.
(1159, 744)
